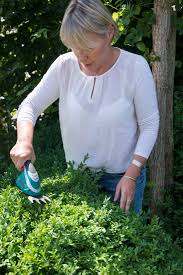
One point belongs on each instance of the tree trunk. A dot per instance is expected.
(164, 45)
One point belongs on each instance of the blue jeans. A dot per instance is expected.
(108, 183)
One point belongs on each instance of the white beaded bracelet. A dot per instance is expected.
(137, 163)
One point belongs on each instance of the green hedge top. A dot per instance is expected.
(80, 231)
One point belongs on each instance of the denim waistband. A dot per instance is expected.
(111, 175)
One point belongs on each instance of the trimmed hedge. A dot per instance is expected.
(81, 231)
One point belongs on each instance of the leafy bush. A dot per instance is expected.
(81, 231)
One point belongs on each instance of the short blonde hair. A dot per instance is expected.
(82, 17)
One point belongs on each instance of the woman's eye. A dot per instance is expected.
(90, 50)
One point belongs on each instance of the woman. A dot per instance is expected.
(107, 104)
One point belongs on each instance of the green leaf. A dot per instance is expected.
(141, 46)
(39, 33)
(115, 16)
(126, 21)
(25, 89)
(137, 10)
(121, 28)
(178, 64)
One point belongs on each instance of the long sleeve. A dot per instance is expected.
(106, 126)
(146, 108)
(43, 95)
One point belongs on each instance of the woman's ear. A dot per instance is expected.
(110, 32)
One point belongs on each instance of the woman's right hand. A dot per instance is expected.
(21, 152)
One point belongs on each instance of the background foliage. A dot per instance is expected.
(29, 42)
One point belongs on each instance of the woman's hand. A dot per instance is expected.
(125, 187)
(21, 152)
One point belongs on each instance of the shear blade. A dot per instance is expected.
(38, 200)
(33, 199)
(46, 198)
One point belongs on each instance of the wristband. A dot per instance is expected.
(137, 163)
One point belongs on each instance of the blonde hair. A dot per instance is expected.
(82, 17)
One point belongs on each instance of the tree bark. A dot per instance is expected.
(164, 46)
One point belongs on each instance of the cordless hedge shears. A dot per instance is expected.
(29, 183)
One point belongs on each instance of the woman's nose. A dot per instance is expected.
(82, 56)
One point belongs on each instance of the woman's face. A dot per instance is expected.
(91, 61)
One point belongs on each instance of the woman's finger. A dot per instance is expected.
(123, 200)
(20, 164)
(128, 203)
(117, 192)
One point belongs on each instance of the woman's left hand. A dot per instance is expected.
(125, 187)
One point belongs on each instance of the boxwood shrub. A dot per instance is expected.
(80, 231)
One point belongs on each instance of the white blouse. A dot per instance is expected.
(110, 117)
